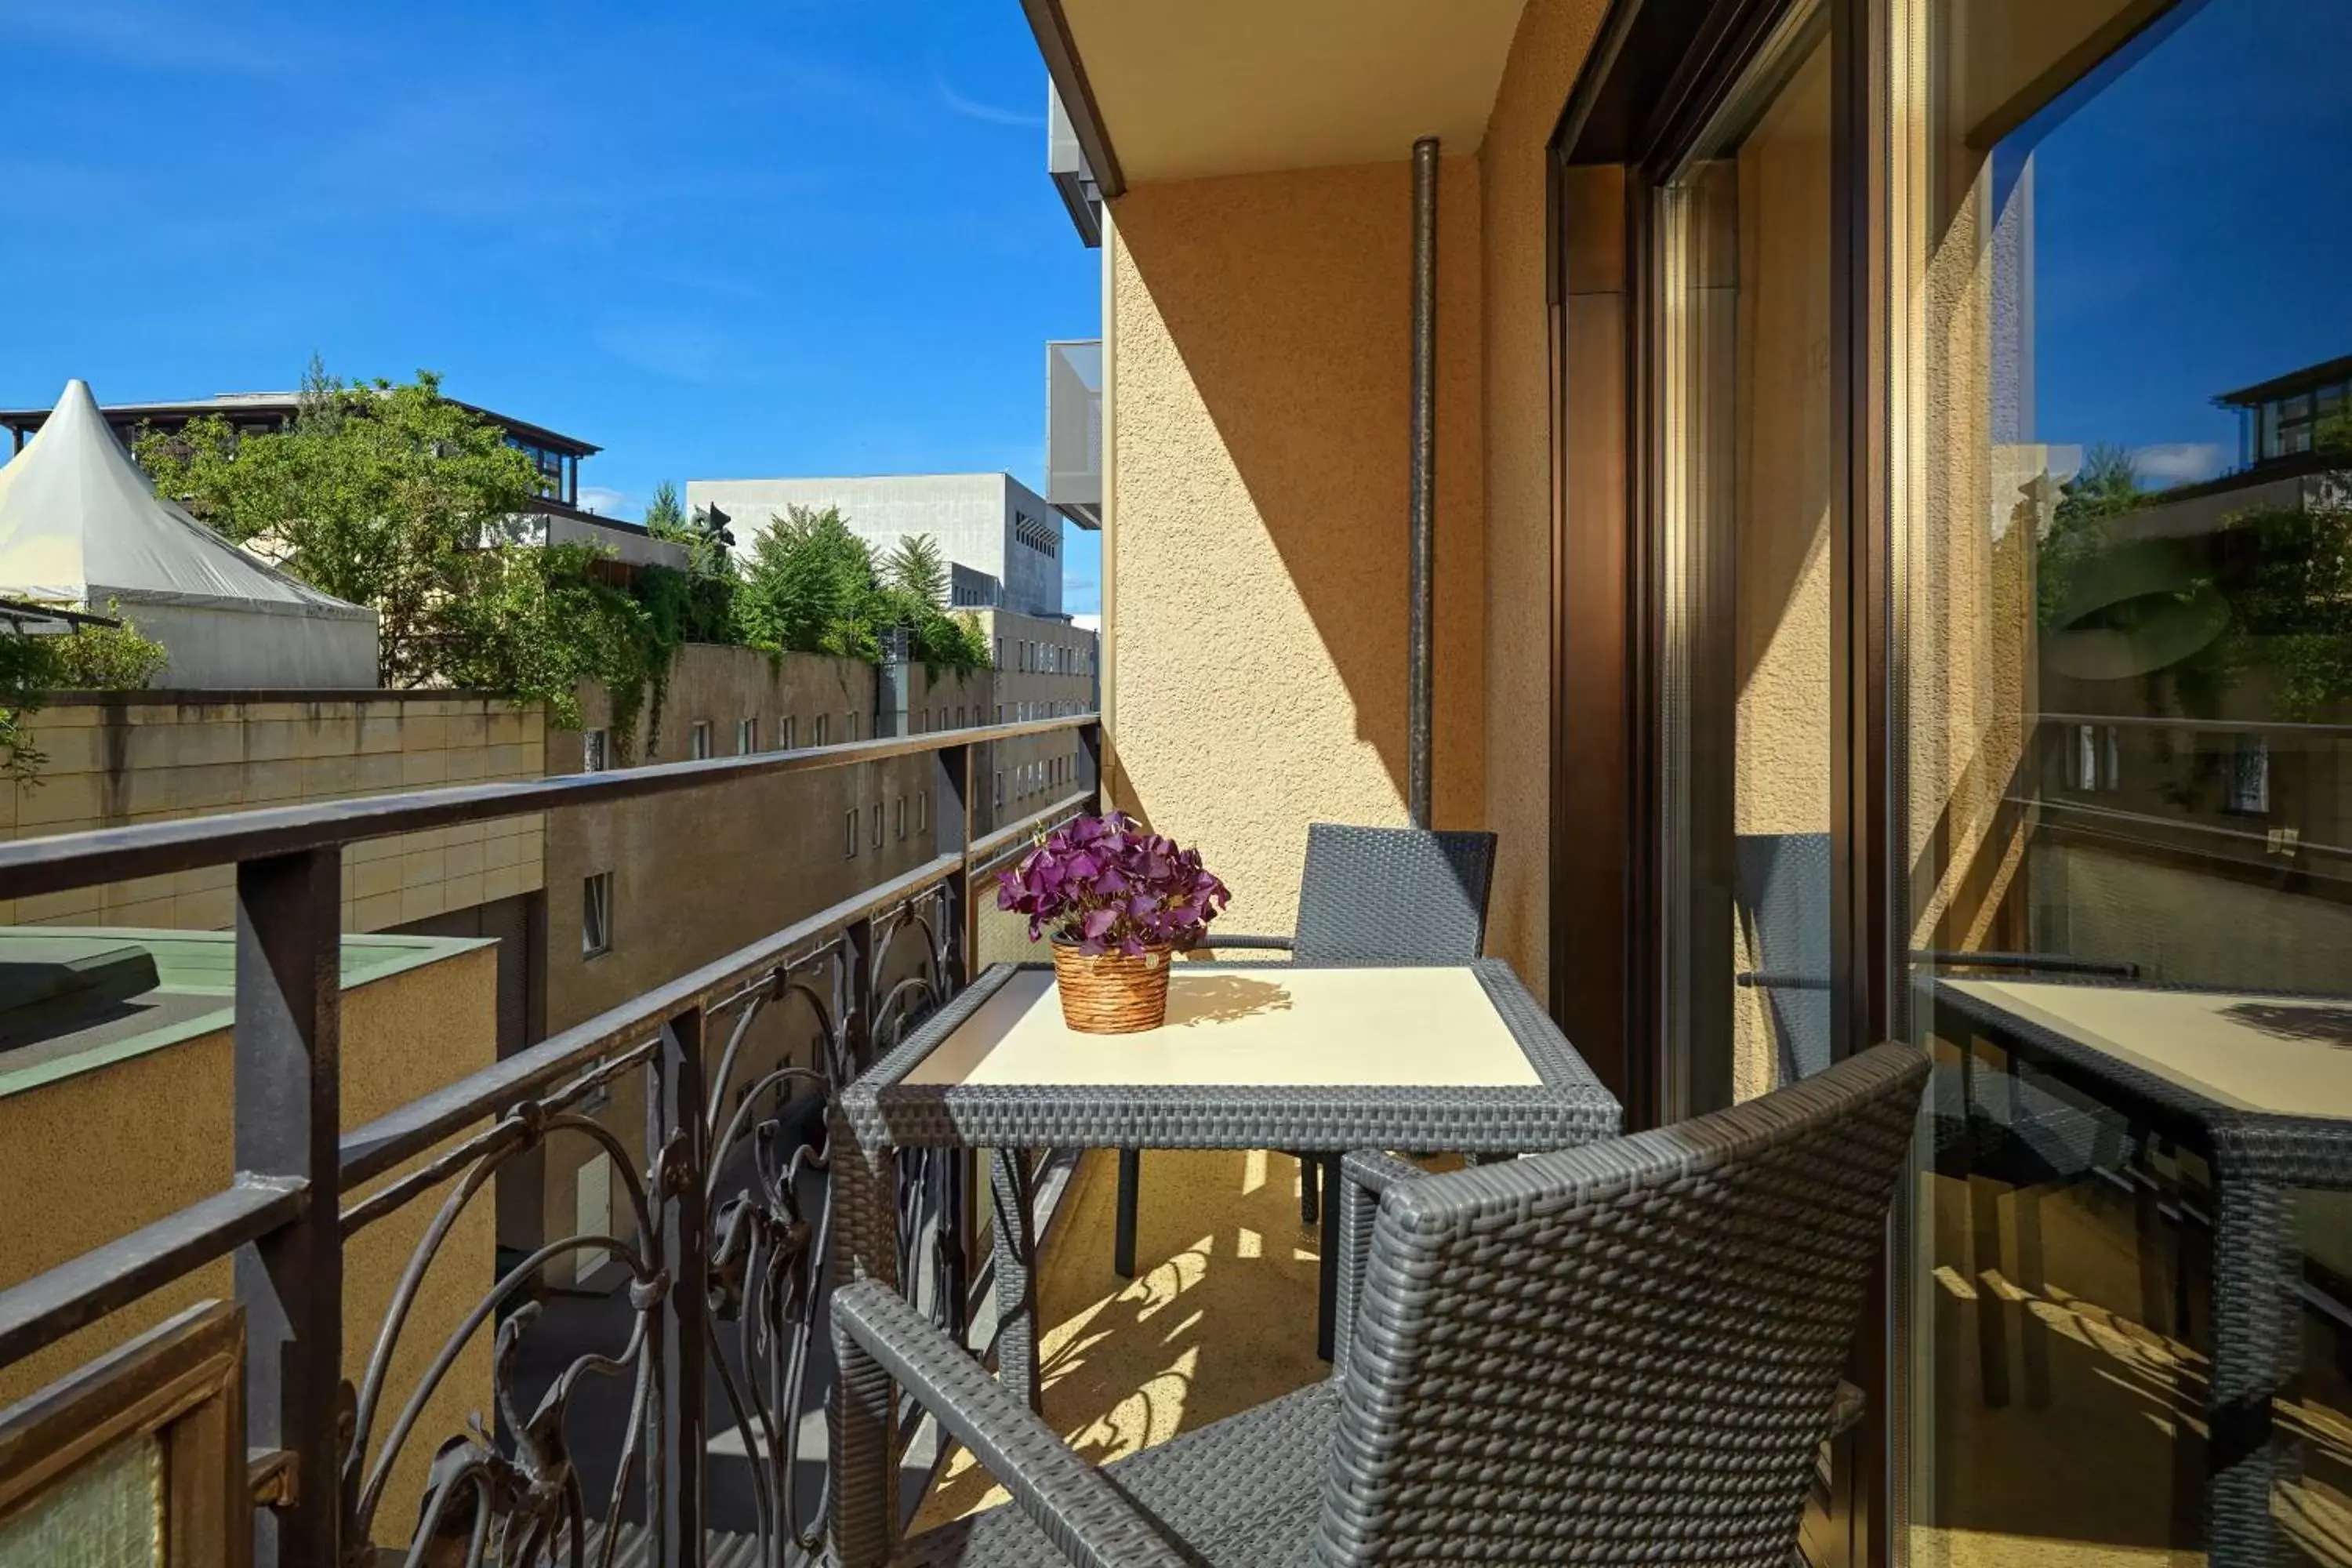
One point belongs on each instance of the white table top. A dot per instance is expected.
(1253, 1025)
(2290, 1056)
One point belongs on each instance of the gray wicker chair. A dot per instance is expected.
(1623, 1353)
(1368, 896)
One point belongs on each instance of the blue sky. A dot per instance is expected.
(2193, 232)
(780, 238)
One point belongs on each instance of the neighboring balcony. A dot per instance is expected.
(1074, 430)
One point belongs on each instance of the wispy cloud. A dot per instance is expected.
(603, 500)
(679, 352)
(973, 108)
(2178, 462)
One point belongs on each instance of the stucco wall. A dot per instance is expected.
(1256, 586)
(117, 759)
(1546, 55)
(87, 1158)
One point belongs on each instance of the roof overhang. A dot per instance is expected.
(1231, 87)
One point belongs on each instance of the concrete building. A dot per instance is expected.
(989, 523)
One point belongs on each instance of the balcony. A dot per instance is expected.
(1074, 430)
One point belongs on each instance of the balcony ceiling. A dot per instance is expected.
(1231, 87)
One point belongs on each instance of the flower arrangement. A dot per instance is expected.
(1104, 885)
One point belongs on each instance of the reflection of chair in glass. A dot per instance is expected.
(1624, 1353)
(1369, 896)
(1783, 893)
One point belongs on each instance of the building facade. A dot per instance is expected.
(989, 523)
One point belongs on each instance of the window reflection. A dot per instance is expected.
(2123, 480)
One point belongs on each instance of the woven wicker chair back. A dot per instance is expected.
(1392, 895)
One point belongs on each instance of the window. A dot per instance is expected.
(597, 915)
(877, 824)
(1000, 786)
(849, 726)
(747, 736)
(959, 718)
(784, 733)
(820, 729)
(697, 741)
(849, 837)
(1000, 653)
(899, 821)
(2250, 776)
(922, 814)
(591, 751)
(999, 713)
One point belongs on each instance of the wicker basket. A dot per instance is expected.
(1111, 994)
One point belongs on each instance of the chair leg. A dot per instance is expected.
(1130, 1177)
(2033, 1336)
(1327, 1291)
(1310, 1184)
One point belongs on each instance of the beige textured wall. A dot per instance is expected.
(1256, 593)
(156, 757)
(1549, 50)
(87, 1159)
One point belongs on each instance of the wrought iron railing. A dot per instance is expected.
(727, 1256)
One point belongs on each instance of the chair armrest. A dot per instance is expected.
(1087, 1518)
(1364, 1175)
(1241, 940)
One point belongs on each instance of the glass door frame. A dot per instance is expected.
(1658, 75)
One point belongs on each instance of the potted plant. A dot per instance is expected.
(1117, 901)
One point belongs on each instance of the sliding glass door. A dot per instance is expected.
(2119, 391)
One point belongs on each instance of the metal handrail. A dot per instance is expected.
(55, 863)
(285, 1203)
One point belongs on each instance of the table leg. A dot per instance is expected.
(1326, 1282)
(863, 1509)
(1130, 1177)
(2251, 1339)
(1015, 1184)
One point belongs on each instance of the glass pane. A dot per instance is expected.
(2124, 690)
(1745, 239)
(109, 1513)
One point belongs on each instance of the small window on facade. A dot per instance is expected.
(597, 915)
(593, 744)
(899, 821)
(1000, 786)
(820, 729)
(849, 843)
(1000, 653)
(959, 718)
(2111, 761)
(922, 814)
(747, 736)
(2250, 776)
(999, 713)
(2083, 774)
(877, 824)
(784, 733)
(849, 727)
(697, 741)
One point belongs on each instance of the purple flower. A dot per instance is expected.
(1104, 884)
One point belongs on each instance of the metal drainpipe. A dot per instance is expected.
(1422, 529)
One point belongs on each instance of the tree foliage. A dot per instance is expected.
(811, 586)
(392, 497)
(88, 658)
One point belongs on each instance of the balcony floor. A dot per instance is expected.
(1128, 1363)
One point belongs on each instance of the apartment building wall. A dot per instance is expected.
(1257, 380)
(94, 1146)
(119, 758)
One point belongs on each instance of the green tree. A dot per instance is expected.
(666, 514)
(392, 497)
(811, 586)
(916, 567)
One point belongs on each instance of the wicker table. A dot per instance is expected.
(1320, 1060)
(2262, 1084)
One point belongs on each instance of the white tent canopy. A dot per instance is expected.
(79, 524)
